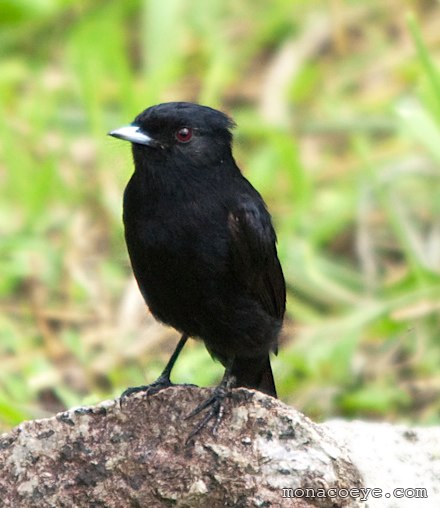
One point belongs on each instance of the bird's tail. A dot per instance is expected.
(254, 373)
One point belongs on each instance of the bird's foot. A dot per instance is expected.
(161, 383)
(215, 406)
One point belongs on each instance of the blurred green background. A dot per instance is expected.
(338, 112)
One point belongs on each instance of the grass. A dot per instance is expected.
(344, 145)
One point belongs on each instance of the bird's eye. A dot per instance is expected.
(184, 134)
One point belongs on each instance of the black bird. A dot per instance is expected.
(202, 245)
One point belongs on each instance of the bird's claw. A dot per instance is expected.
(215, 403)
(160, 384)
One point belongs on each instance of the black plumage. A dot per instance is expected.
(201, 241)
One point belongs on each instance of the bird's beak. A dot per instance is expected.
(134, 134)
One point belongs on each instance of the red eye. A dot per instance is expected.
(184, 134)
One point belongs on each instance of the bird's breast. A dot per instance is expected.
(177, 252)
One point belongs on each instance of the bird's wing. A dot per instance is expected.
(254, 255)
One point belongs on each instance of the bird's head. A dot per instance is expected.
(180, 133)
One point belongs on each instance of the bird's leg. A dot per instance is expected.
(214, 403)
(163, 381)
